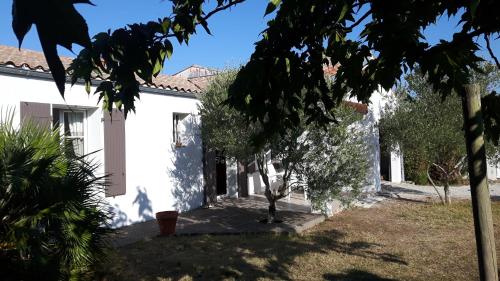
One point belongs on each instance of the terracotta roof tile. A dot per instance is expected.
(358, 107)
(202, 81)
(330, 70)
(34, 60)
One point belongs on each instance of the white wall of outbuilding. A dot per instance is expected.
(159, 176)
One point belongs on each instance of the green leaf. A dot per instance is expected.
(56, 67)
(168, 48)
(88, 84)
(57, 23)
(473, 7)
(343, 12)
(287, 65)
(22, 19)
(205, 26)
(165, 25)
(159, 63)
(106, 94)
(273, 4)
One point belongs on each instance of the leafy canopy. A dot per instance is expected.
(322, 160)
(223, 128)
(306, 35)
(284, 76)
(428, 129)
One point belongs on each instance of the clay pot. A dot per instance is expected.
(167, 221)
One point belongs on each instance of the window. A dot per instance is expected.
(72, 124)
(179, 129)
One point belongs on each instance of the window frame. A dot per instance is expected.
(177, 139)
(62, 127)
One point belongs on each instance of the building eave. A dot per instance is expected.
(42, 75)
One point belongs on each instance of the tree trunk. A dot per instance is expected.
(209, 187)
(481, 203)
(271, 214)
(242, 178)
(447, 196)
(271, 198)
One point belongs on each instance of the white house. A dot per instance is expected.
(154, 157)
(371, 116)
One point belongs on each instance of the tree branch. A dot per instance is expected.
(441, 168)
(458, 167)
(361, 19)
(292, 189)
(488, 46)
(221, 8)
(435, 188)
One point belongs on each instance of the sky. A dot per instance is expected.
(234, 32)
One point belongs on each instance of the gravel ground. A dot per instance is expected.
(411, 191)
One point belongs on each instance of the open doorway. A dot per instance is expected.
(220, 171)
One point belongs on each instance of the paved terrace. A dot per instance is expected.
(230, 216)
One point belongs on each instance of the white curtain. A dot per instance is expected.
(73, 127)
(75, 121)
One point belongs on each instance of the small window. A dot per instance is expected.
(72, 127)
(179, 129)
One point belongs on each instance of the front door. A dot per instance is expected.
(220, 169)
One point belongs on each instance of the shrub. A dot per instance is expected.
(53, 219)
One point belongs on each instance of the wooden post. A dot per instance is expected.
(481, 203)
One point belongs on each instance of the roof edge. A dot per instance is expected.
(44, 75)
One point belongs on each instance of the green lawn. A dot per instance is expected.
(396, 241)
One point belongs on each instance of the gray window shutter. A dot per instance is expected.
(114, 152)
(38, 113)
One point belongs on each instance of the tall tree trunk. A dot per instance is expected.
(481, 203)
(447, 195)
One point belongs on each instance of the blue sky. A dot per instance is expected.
(234, 32)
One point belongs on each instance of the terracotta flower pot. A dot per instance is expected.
(167, 221)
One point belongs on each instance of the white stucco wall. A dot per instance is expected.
(369, 126)
(159, 176)
(255, 184)
(382, 100)
(396, 171)
(492, 171)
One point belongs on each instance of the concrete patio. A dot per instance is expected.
(230, 216)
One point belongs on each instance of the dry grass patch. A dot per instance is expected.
(394, 241)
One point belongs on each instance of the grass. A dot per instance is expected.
(395, 241)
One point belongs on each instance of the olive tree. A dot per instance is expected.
(428, 129)
(223, 127)
(328, 162)
(335, 164)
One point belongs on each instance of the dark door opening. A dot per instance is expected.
(220, 170)
(385, 160)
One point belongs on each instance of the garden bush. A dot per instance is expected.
(53, 217)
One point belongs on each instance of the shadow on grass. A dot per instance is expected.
(248, 257)
(354, 274)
